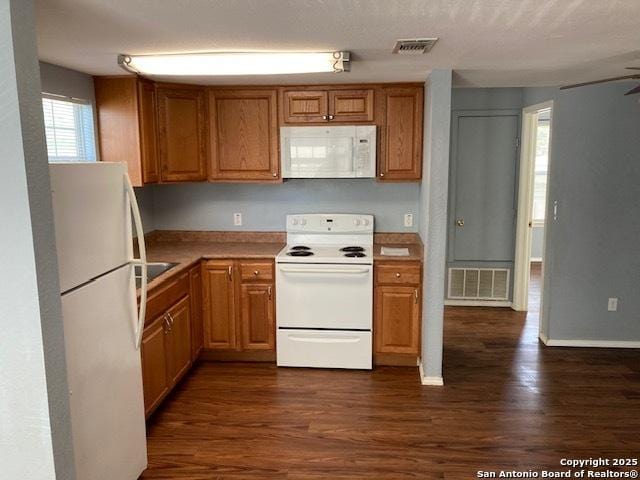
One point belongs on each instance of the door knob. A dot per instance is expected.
(460, 222)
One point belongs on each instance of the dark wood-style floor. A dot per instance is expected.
(509, 402)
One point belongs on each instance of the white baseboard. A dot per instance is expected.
(535, 259)
(477, 303)
(543, 338)
(550, 342)
(431, 381)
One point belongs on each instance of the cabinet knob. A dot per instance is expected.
(324, 117)
(256, 272)
(397, 275)
(382, 174)
(274, 174)
(330, 117)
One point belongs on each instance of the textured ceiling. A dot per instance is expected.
(486, 42)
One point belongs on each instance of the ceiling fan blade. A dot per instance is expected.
(633, 68)
(604, 80)
(633, 90)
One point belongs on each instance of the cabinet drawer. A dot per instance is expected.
(397, 274)
(256, 271)
(163, 297)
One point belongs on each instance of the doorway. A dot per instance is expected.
(535, 157)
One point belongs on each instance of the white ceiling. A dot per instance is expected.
(486, 42)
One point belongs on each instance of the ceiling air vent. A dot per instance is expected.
(414, 46)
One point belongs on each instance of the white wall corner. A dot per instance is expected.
(430, 381)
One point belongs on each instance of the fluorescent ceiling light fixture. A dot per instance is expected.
(236, 63)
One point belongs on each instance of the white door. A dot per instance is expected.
(105, 378)
(92, 220)
(324, 296)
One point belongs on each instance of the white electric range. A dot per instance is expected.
(324, 292)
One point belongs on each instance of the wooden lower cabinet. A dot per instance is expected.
(398, 293)
(166, 353)
(167, 341)
(239, 309)
(257, 311)
(219, 305)
(197, 322)
(179, 340)
(155, 380)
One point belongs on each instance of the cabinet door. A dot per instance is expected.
(197, 324)
(219, 306)
(401, 156)
(244, 135)
(155, 381)
(258, 327)
(178, 341)
(396, 323)
(182, 134)
(118, 124)
(147, 109)
(351, 105)
(305, 106)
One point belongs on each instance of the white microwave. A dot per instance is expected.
(328, 152)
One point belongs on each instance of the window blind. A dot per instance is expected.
(69, 129)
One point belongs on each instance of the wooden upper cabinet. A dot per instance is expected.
(127, 129)
(328, 105)
(305, 106)
(351, 105)
(219, 305)
(182, 131)
(401, 139)
(244, 135)
(257, 317)
(147, 109)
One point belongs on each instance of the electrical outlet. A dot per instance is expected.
(237, 219)
(408, 219)
(612, 306)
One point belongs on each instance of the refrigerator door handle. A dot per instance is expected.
(142, 261)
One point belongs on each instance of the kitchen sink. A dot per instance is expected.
(154, 270)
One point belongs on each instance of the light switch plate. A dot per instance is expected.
(237, 219)
(612, 306)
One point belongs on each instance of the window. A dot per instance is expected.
(541, 168)
(69, 131)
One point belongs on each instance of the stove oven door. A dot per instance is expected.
(324, 296)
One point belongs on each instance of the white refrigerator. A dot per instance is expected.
(93, 205)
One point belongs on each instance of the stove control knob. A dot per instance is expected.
(356, 222)
(294, 221)
(303, 222)
(365, 222)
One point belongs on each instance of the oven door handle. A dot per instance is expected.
(326, 339)
(359, 271)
